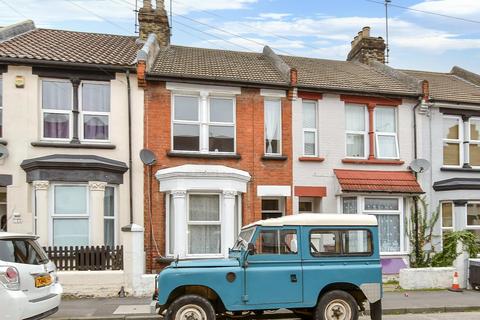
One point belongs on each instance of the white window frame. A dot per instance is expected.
(458, 141)
(67, 112)
(366, 140)
(2, 133)
(280, 137)
(52, 214)
(452, 228)
(311, 130)
(467, 226)
(203, 122)
(204, 223)
(82, 113)
(115, 215)
(400, 212)
(385, 134)
(470, 141)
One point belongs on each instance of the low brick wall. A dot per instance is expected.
(91, 283)
(426, 278)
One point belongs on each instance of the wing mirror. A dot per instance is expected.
(251, 249)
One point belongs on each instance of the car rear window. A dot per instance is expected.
(24, 251)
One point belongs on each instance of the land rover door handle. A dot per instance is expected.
(293, 278)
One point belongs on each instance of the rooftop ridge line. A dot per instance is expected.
(16, 29)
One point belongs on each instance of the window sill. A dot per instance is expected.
(311, 159)
(3, 142)
(374, 162)
(72, 145)
(203, 155)
(460, 169)
(274, 158)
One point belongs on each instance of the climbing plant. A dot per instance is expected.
(449, 252)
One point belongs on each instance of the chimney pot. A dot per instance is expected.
(154, 21)
(366, 32)
(147, 4)
(160, 4)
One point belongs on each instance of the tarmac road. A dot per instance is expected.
(435, 316)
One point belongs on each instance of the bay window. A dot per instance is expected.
(310, 129)
(386, 133)
(95, 110)
(452, 140)
(356, 130)
(473, 219)
(203, 124)
(70, 216)
(273, 126)
(389, 213)
(204, 224)
(447, 210)
(474, 142)
(57, 104)
(109, 208)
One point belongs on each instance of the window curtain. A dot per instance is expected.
(272, 125)
(389, 230)
(56, 125)
(204, 238)
(56, 95)
(355, 118)
(95, 127)
(96, 97)
(385, 120)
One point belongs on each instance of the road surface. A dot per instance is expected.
(436, 316)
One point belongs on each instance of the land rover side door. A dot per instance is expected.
(274, 271)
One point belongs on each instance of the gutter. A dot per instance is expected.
(130, 161)
(50, 63)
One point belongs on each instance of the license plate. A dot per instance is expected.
(43, 281)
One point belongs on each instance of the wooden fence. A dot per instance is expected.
(86, 258)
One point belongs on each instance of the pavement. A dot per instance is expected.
(394, 303)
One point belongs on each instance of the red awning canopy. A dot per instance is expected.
(377, 181)
(304, 191)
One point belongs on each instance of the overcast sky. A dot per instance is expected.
(315, 28)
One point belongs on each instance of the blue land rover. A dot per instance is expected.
(320, 266)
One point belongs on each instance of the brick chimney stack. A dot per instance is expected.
(366, 48)
(154, 21)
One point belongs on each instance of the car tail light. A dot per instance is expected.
(10, 278)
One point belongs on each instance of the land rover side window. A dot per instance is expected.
(340, 242)
(357, 242)
(325, 243)
(277, 242)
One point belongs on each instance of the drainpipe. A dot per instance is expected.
(130, 174)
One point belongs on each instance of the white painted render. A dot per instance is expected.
(21, 127)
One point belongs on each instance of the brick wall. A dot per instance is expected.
(249, 143)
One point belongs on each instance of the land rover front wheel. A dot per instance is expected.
(336, 305)
(190, 307)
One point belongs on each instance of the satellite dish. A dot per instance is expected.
(148, 157)
(3, 152)
(419, 165)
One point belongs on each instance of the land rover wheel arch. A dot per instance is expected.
(336, 305)
(192, 307)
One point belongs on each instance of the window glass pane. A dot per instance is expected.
(474, 129)
(70, 200)
(221, 139)
(305, 206)
(272, 126)
(387, 146)
(95, 127)
(221, 110)
(389, 232)
(56, 125)
(447, 215)
(96, 97)
(186, 108)
(381, 204)
(288, 242)
(354, 118)
(357, 242)
(349, 205)
(451, 128)
(309, 115)
(57, 95)
(204, 208)
(109, 202)
(309, 143)
(355, 145)
(109, 232)
(324, 243)
(270, 204)
(473, 214)
(385, 120)
(186, 137)
(70, 232)
(1, 122)
(451, 154)
(474, 154)
(171, 227)
(267, 242)
(204, 239)
(1, 92)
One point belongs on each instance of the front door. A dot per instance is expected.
(274, 272)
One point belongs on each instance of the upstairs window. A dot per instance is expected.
(452, 140)
(221, 126)
(474, 142)
(386, 133)
(57, 109)
(273, 126)
(310, 128)
(95, 108)
(356, 131)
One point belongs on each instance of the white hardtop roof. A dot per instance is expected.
(319, 219)
(10, 235)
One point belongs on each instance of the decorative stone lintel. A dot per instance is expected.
(179, 193)
(229, 194)
(97, 185)
(40, 185)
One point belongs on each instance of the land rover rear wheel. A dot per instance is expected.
(336, 305)
(190, 307)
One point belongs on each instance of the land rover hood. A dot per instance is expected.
(208, 263)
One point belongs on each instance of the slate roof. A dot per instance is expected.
(377, 181)
(213, 64)
(448, 87)
(70, 46)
